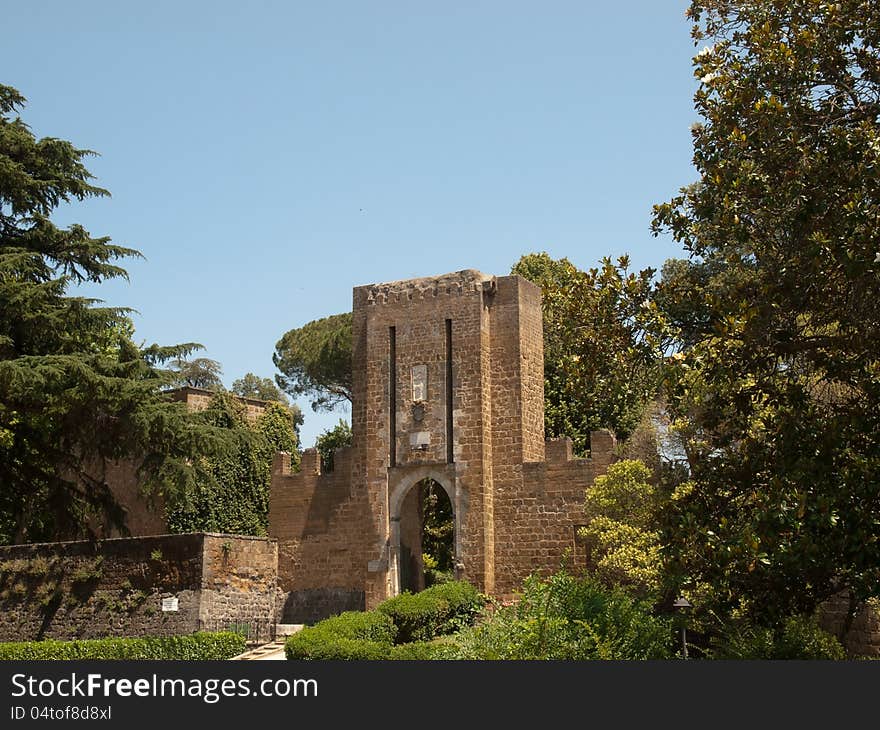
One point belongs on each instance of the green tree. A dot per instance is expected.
(234, 495)
(334, 438)
(75, 391)
(622, 535)
(779, 393)
(253, 386)
(603, 344)
(315, 361)
(201, 372)
(438, 533)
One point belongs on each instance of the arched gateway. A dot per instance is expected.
(448, 386)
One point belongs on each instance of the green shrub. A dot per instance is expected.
(565, 617)
(352, 635)
(309, 644)
(420, 650)
(199, 646)
(367, 625)
(438, 610)
(799, 637)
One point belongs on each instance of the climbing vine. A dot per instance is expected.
(235, 498)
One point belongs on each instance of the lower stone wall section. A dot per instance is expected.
(239, 581)
(310, 605)
(118, 587)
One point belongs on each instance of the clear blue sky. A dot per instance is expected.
(266, 157)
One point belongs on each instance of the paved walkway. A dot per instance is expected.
(274, 650)
(271, 652)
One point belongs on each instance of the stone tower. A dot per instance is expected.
(448, 386)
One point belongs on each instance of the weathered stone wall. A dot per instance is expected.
(319, 522)
(239, 581)
(538, 512)
(144, 514)
(863, 637)
(198, 399)
(352, 532)
(115, 587)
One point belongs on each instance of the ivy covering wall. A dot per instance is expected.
(235, 499)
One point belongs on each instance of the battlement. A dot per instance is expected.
(447, 388)
(457, 283)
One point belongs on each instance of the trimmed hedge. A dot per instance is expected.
(441, 609)
(198, 646)
(400, 628)
(352, 635)
(420, 650)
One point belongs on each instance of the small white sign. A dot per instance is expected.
(169, 604)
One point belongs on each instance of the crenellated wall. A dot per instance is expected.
(448, 385)
(320, 524)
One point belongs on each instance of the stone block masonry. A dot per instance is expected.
(120, 586)
(448, 386)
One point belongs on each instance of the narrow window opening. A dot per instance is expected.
(392, 396)
(450, 452)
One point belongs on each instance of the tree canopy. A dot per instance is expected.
(75, 391)
(334, 438)
(200, 372)
(253, 386)
(603, 343)
(315, 361)
(624, 543)
(779, 390)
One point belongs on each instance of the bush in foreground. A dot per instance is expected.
(433, 612)
(352, 635)
(199, 646)
(564, 617)
(798, 637)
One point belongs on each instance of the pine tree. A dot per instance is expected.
(75, 392)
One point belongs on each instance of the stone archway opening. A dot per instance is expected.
(427, 537)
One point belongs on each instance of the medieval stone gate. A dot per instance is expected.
(448, 386)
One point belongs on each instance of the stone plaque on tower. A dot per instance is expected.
(419, 383)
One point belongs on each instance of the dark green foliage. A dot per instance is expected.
(202, 372)
(438, 534)
(235, 497)
(315, 360)
(438, 610)
(565, 617)
(368, 625)
(778, 390)
(338, 437)
(194, 647)
(320, 645)
(603, 343)
(75, 391)
(400, 628)
(352, 635)
(798, 637)
(420, 650)
(253, 386)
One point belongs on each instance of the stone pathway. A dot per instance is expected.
(274, 650)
